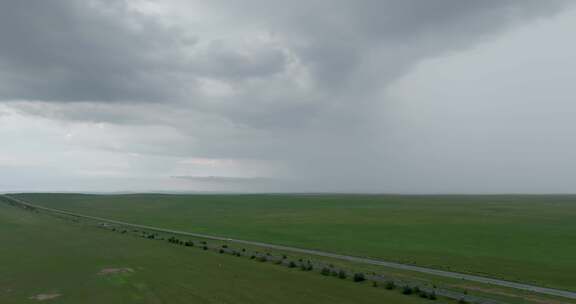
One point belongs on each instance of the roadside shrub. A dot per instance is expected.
(342, 274)
(390, 285)
(424, 295)
(252, 257)
(306, 267)
(417, 290)
(374, 284)
(205, 247)
(189, 244)
(291, 264)
(284, 257)
(221, 251)
(432, 296)
(325, 271)
(462, 301)
(359, 277)
(407, 290)
(262, 258)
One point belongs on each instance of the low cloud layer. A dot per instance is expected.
(302, 86)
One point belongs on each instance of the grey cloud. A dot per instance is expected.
(311, 98)
(221, 60)
(81, 51)
(226, 179)
(334, 38)
(102, 51)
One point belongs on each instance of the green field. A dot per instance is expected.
(524, 238)
(42, 255)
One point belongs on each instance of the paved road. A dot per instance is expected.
(442, 273)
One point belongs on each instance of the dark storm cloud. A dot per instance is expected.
(101, 50)
(335, 38)
(63, 50)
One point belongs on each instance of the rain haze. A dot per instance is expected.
(443, 96)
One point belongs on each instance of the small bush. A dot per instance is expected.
(189, 244)
(359, 277)
(342, 274)
(284, 257)
(407, 290)
(432, 296)
(374, 284)
(390, 285)
(291, 264)
(325, 271)
(417, 290)
(205, 247)
(252, 257)
(462, 301)
(424, 295)
(262, 258)
(221, 251)
(224, 246)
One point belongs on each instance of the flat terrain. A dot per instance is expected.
(523, 238)
(47, 260)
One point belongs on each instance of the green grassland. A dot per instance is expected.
(42, 255)
(524, 238)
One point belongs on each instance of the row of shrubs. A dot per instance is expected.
(300, 263)
(326, 271)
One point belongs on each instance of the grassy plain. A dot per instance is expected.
(523, 238)
(42, 255)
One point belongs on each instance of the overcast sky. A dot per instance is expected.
(411, 96)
